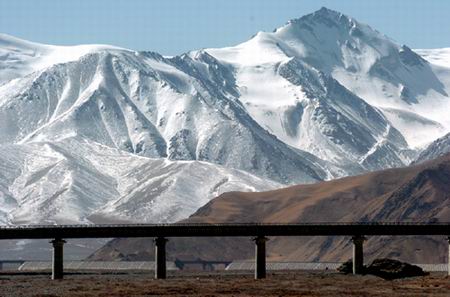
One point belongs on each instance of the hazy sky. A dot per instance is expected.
(172, 27)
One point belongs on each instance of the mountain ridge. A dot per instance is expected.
(286, 107)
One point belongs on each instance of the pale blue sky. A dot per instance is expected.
(176, 26)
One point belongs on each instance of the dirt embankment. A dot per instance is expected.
(279, 284)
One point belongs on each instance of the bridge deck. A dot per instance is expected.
(258, 231)
(221, 230)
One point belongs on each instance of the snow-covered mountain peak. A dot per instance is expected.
(329, 39)
(368, 63)
(19, 57)
(333, 20)
(326, 16)
(11, 42)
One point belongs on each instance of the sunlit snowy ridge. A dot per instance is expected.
(97, 133)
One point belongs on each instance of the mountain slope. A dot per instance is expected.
(437, 148)
(83, 182)
(440, 56)
(150, 106)
(361, 198)
(413, 194)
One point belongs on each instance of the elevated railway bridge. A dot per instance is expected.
(258, 232)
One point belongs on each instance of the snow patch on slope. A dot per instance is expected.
(439, 56)
(76, 181)
(418, 131)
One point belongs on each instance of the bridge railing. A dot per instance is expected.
(362, 223)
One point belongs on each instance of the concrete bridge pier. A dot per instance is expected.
(358, 254)
(58, 258)
(160, 257)
(448, 265)
(260, 257)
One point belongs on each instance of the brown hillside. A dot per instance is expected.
(416, 194)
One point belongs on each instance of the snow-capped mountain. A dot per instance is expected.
(100, 133)
(386, 75)
(151, 106)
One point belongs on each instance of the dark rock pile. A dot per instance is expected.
(386, 268)
(393, 269)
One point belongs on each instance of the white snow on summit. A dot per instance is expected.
(372, 66)
(438, 56)
(20, 57)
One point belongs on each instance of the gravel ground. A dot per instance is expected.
(221, 284)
